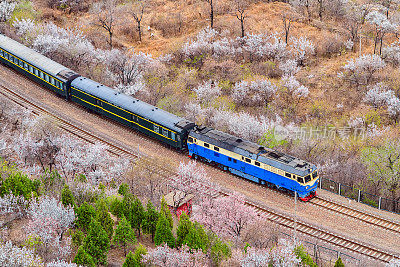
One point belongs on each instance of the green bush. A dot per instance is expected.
(306, 259)
(116, 207)
(97, 243)
(82, 258)
(20, 185)
(67, 198)
(164, 232)
(77, 238)
(84, 215)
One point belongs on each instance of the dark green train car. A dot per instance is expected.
(37, 67)
(150, 120)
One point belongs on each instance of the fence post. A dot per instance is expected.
(359, 195)
(339, 189)
(380, 201)
(320, 182)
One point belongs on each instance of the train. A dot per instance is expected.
(243, 158)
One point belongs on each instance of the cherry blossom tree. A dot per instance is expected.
(243, 124)
(226, 216)
(379, 95)
(391, 53)
(394, 108)
(293, 91)
(289, 67)
(61, 263)
(166, 256)
(263, 46)
(302, 49)
(193, 179)
(258, 92)
(393, 263)
(10, 204)
(207, 91)
(382, 26)
(11, 255)
(49, 219)
(281, 255)
(362, 69)
(6, 9)
(127, 70)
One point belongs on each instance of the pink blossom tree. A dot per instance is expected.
(49, 220)
(226, 216)
(257, 92)
(207, 91)
(166, 256)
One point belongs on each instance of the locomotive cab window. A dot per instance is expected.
(308, 178)
(172, 135)
(234, 161)
(190, 140)
(257, 163)
(248, 160)
(206, 145)
(300, 180)
(216, 148)
(156, 129)
(288, 175)
(229, 159)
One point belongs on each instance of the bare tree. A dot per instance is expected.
(287, 19)
(211, 4)
(240, 10)
(137, 13)
(105, 11)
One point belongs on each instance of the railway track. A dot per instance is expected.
(284, 220)
(357, 214)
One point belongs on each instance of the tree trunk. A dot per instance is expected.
(242, 25)
(140, 31)
(211, 14)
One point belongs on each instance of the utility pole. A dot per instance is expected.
(295, 219)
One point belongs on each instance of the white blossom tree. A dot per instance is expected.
(207, 91)
(302, 49)
(258, 92)
(361, 70)
(11, 255)
(6, 9)
(166, 256)
(394, 108)
(382, 26)
(379, 95)
(49, 220)
(393, 263)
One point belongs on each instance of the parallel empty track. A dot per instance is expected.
(284, 220)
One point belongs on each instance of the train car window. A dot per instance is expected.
(25, 66)
(288, 175)
(308, 178)
(21, 64)
(30, 69)
(300, 180)
(190, 140)
(257, 163)
(156, 128)
(172, 135)
(41, 74)
(2, 53)
(216, 148)
(206, 145)
(46, 77)
(234, 161)
(315, 174)
(165, 132)
(11, 58)
(229, 159)
(248, 160)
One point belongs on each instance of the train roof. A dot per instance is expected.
(31, 56)
(254, 151)
(132, 104)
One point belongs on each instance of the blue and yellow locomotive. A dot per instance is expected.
(253, 162)
(240, 157)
